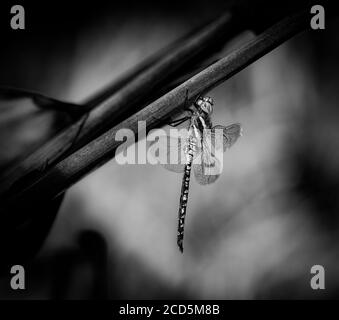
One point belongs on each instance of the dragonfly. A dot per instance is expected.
(201, 148)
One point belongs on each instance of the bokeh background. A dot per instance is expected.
(255, 233)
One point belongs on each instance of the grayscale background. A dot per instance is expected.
(255, 233)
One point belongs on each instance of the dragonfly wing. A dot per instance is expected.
(169, 151)
(209, 168)
(230, 135)
(215, 141)
(175, 155)
(201, 176)
(178, 168)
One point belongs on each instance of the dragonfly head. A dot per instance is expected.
(205, 104)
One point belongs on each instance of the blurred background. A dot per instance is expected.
(255, 233)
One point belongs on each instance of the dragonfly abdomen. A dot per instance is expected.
(184, 195)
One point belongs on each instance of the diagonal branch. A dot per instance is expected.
(114, 105)
(144, 84)
(100, 150)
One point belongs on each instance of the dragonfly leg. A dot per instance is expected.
(177, 122)
(189, 110)
(186, 106)
(186, 99)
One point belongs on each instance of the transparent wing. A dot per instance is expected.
(215, 141)
(169, 151)
(230, 135)
(208, 169)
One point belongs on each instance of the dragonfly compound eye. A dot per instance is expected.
(209, 100)
(205, 104)
(207, 107)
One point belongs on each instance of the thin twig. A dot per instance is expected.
(94, 154)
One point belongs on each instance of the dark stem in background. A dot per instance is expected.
(97, 152)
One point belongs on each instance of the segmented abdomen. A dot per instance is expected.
(184, 197)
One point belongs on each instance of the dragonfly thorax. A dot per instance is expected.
(190, 147)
